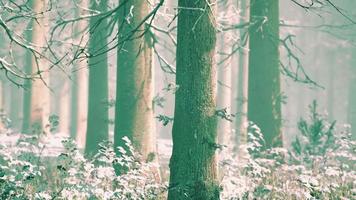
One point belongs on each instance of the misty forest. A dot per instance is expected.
(177, 99)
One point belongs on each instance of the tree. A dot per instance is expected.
(352, 96)
(79, 83)
(264, 96)
(242, 79)
(97, 124)
(224, 81)
(134, 88)
(193, 167)
(36, 95)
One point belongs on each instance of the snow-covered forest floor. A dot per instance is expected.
(320, 164)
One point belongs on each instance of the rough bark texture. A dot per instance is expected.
(264, 106)
(134, 90)
(97, 124)
(242, 81)
(193, 170)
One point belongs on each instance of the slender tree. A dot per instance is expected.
(224, 80)
(79, 83)
(36, 96)
(193, 168)
(97, 124)
(331, 85)
(264, 96)
(26, 123)
(242, 79)
(134, 89)
(352, 96)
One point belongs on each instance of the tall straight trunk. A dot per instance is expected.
(193, 167)
(64, 107)
(79, 86)
(134, 87)
(36, 96)
(15, 106)
(352, 96)
(26, 121)
(74, 106)
(264, 106)
(224, 82)
(242, 81)
(97, 124)
(331, 87)
(2, 105)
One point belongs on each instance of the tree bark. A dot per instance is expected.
(135, 89)
(97, 124)
(193, 167)
(264, 106)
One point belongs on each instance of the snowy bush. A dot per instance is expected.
(321, 166)
(26, 174)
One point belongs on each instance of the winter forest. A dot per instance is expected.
(177, 99)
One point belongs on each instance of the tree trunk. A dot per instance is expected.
(224, 82)
(242, 81)
(79, 86)
(331, 86)
(36, 96)
(193, 167)
(352, 96)
(26, 123)
(97, 124)
(264, 106)
(134, 88)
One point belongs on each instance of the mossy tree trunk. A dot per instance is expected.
(193, 167)
(134, 89)
(264, 96)
(97, 124)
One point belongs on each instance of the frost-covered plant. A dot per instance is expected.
(26, 174)
(317, 135)
(269, 174)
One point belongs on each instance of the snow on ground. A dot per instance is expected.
(51, 145)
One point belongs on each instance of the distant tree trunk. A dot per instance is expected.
(134, 88)
(64, 107)
(264, 96)
(26, 122)
(193, 167)
(36, 96)
(352, 96)
(15, 106)
(332, 76)
(2, 126)
(97, 124)
(79, 86)
(242, 81)
(74, 106)
(224, 82)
